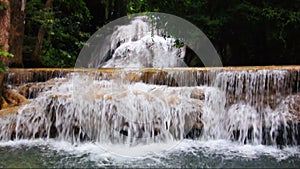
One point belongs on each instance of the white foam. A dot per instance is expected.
(141, 45)
(121, 154)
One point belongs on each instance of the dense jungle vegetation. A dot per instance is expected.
(51, 33)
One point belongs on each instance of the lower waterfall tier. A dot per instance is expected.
(84, 108)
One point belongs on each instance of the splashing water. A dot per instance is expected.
(106, 111)
(119, 111)
(99, 119)
(255, 112)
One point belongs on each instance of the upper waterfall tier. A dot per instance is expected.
(149, 40)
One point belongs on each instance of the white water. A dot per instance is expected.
(157, 154)
(256, 101)
(121, 112)
(139, 45)
(99, 109)
(107, 111)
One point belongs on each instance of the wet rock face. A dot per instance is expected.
(289, 131)
(32, 90)
(259, 87)
(278, 126)
(284, 135)
(196, 130)
(23, 76)
(12, 103)
(292, 103)
(53, 116)
(14, 98)
(56, 114)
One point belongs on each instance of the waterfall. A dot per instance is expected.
(250, 107)
(105, 111)
(255, 107)
(139, 44)
(143, 106)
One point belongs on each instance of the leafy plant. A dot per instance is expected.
(3, 67)
(65, 25)
(178, 43)
(3, 6)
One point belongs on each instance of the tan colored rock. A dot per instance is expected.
(23, 76)
(24, 89)
(14, 98)
(133, 77)
(9, 111)
(55, 96)
(4, 103)
(31, 90)
(197, 94)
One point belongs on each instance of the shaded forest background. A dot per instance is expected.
(51, 33)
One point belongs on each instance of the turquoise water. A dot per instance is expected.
(187, 154)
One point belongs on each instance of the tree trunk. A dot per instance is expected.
(37, 52)
(4, 26)
(4, 34)
(16, 34)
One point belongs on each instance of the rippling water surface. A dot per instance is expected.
(187, 153)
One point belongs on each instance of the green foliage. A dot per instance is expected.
(3, 67)
(65, 27)
(261, 32)
(66, 37)
(244, 32)
(178, 43)
(3, 6)
(39, 15)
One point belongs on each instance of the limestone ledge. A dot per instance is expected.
(21, 76)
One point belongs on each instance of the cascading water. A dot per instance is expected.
(105, 111)
(251, 108)
(114, 111)
(254, 112)
(118, 111)
(138, 45)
